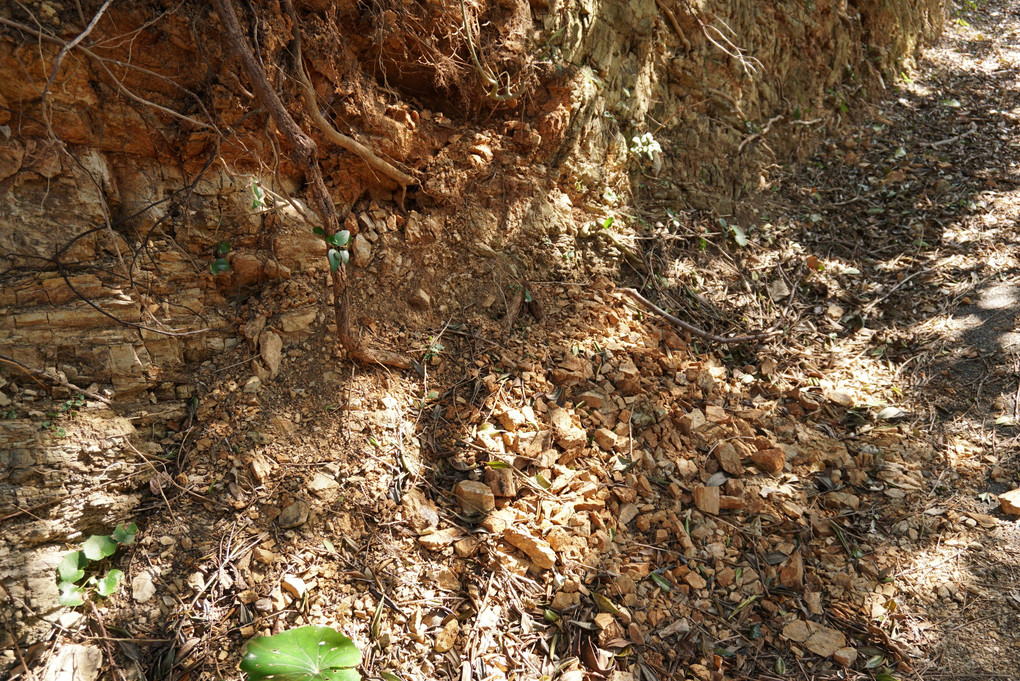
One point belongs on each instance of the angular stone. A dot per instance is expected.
(729, 459)
(294, 585)
(845, 656)
(605, 439)
(501, 481)
(825, 642)
(465, 547)
(498, 521)
(707, 499)
(592, 399)
(474, 497)
(690, 421)
(420, 300)
(627, 513)
(294, 515)
(694, 580)
(538, 550)
(792, 574)
(142, 589)
(567, 435)
(361, 251)
(321, 484)
(271, 347)
(769, 460)
(298, 320)
(418, 511)
(72, 662)
(447, 636)
(436, 541)
(841, 500)
(1009, 502)
(820, 640)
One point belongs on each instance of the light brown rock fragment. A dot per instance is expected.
(845, 656)
(567, 435)
(271, 349)
(695, 580)
(419, 511)
(538, 550)
(820, 640)
(707, 499)
(436, 541)
(474, 497)
(729, 459)
(690, 421)
(769, 460)
(501, 481)
(841, 500)
(1009, 502)
(792, 574)
(605, 439)
(447, 636)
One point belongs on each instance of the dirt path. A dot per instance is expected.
(922, 201)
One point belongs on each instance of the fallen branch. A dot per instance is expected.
(306, 154)
(60, 380)
(693, 329)
(956, 138)
(764, 131)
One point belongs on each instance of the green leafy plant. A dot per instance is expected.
(304, 654)
(72, 569)
(220, 263)
(338, 254)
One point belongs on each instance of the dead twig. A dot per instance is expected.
(693, 329)
(764, 131)
(60, 380)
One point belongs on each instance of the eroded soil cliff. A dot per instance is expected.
(158, 253)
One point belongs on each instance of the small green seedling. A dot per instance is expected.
(338, 255)
(221, 263)
(302, 654)
(72, 568)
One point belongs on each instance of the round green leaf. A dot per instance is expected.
(223, 248)
(219, 265)
(335, 259)
(99, 546)
(343, 237)
(125, 534)
(108, 584)
(303, 654)
(319, 230)
(71, 568)
(71, 595)
(345, 256)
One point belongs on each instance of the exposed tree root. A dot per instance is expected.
(332, 134)
(306, 154)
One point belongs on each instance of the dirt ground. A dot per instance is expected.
(650, 504)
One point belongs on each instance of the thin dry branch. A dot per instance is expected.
(693, 329)
(60, 380)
